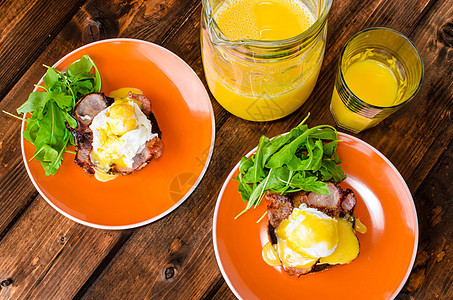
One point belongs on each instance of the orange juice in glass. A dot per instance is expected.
(262, 57)
(380, 70)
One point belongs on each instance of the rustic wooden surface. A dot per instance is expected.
(44, 255)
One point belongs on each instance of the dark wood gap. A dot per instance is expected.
(209, 294)
(125, 236)
(424, 14)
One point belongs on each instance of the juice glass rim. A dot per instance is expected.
(346, 87)
(319, 23)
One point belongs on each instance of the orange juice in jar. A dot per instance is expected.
(262, 58)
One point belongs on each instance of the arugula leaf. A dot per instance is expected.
(97, 86)
(83, 65)
(35, 101)
(300, 160)
(309, 184)
(71, 121)
(245, 190)
(62, 100)
(331, 171)
(275, 144)
(32, 128)
(331, 148)
(325, 133)
(51, 78)
(258, 171)
(317, 152)
(51, 110)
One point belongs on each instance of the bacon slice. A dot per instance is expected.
(338, 201)
(89, 106)
(279, 209)
(153, 149)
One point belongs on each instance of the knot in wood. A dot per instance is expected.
(445, 34)
(6, 282)
(92, 32)
(169, 273)
(175, 246)
(63, 239)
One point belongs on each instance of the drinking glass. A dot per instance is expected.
(394, 51)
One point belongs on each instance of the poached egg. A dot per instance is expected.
(120, 132)
(310, 237)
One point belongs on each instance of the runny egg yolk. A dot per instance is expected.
(310, 237)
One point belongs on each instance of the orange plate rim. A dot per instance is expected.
(229, 178)
(177, 204)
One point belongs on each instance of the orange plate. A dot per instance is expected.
(183, 110)
(387, 250)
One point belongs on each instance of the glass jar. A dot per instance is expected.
(260, 80)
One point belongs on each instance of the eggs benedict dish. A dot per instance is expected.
(311, 232)
(115, 135)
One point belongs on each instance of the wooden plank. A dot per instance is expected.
(431, 277)
(151, 249)
(27, 27)
(434, 100)
(64, 269)
(15, 196)
(42, 244)
(17, 190)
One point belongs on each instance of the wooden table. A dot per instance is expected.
(44, 255)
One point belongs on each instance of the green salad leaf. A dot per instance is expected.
(51, 110)
(303, 159)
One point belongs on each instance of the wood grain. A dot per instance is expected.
(18, 192)
(44, 255)
(44, 244)
(225, 156)
(26, 30)
(431, 277)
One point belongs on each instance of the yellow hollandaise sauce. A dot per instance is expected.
(347, 248)
(360, 227)
(310, 237)
(118, 120)
(270, 255)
